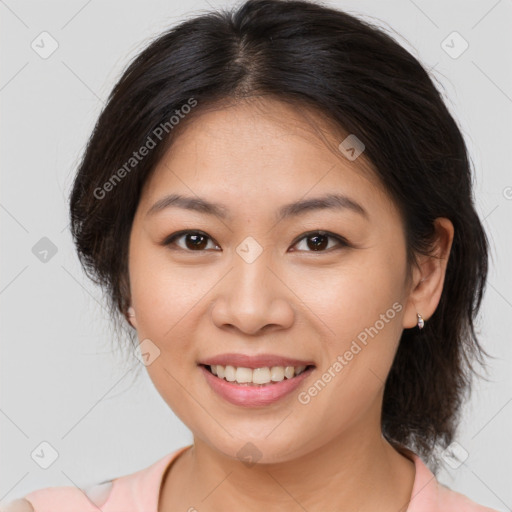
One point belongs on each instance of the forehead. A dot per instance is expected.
(261, 148)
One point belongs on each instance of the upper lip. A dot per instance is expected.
(256, 361)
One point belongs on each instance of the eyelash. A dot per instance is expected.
(168, 241)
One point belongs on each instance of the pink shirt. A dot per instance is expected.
(139, 492)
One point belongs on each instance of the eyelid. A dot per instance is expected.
(169, 240)
(342, 242)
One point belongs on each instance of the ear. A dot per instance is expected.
(130, 316)
(428, 277)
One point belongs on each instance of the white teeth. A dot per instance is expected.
(277, 373)
(229, 373)
(265, 375)
(243, 375)
(261, 376)
(289, 372)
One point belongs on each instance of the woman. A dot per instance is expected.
(279, 204)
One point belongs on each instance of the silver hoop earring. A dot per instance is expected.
(421, 322)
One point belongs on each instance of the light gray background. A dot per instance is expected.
(61, 382)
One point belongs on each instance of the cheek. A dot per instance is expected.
(165, 297)
(352, 296)
(164, 294)
(359, 310)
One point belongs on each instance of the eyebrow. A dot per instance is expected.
(328, 201)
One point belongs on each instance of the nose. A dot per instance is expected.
(253, 298)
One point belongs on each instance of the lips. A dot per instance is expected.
(254, 395)
(256, 361)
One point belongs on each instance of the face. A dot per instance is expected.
(322, 285)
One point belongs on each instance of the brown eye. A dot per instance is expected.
(318, 241)
(193, 240)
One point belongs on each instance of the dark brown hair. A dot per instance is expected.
(360, 78)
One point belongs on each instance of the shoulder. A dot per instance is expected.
(452, 500)
(21, 505)
(140, 488)
(429, 494)
(63, 498)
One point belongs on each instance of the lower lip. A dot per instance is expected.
(257, 395)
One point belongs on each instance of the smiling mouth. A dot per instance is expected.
(257, 377)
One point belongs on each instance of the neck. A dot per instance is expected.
(354, 471)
